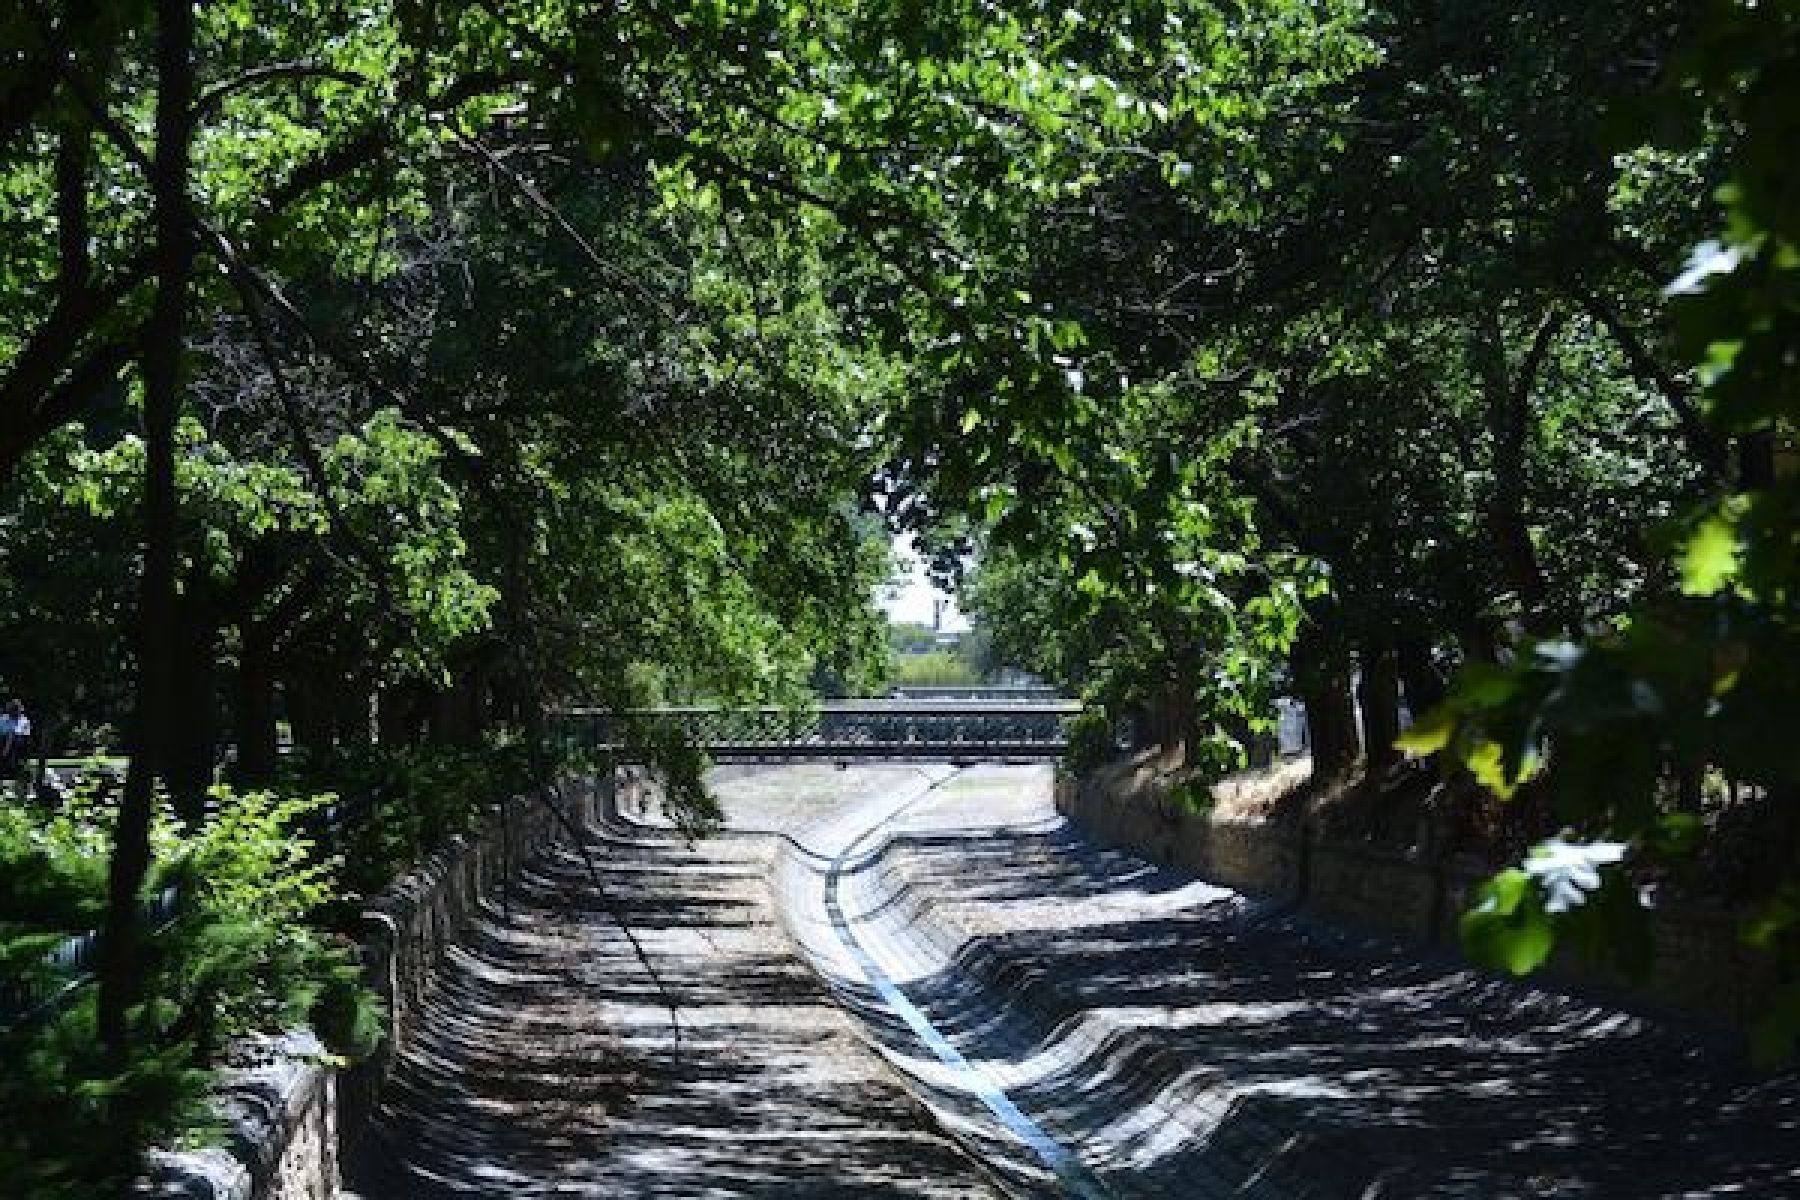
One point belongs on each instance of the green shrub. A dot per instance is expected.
(243, 953)
(405, 804)
(250, 953)
(76, 1124)
(936, 668)
(52, 885)
(1093, 741)
(262, 883)
(1194, 796)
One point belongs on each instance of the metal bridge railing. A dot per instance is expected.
(68, 967)
(1008, 693)
(841, 728)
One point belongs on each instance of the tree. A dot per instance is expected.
(1617, 723)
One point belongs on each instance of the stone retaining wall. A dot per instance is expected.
(1701, 970)
(287, 1116)
(279, 1110)
(407, 929)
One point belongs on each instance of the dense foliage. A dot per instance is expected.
(1486, 381)
(1623, 727)
(237, 949)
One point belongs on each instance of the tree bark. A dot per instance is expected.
(261, 627)
(309, 717)
(1706, 447)
(1379, 698)
(194, 727)
(258, 750)
(397, 713)
(161, 359)
(1167, 723)
(1756, 461)
(456, 711)
(1322, 678)
(1419, 675)
(1508, 397)
(350, 715)
(72, 230)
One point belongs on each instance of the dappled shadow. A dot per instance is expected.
(1183, 1040)
(1219, 1048)
(545, 1063)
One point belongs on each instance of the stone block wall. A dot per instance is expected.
(407, 929)
(288, 1115)
(279, 1109)
(1129, 805)
(1702, 972)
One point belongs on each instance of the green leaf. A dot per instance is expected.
(1710, 558)
(1486, 685)
(1508, 929)
(1431, 732)
(1486, 761)
(1502, 894)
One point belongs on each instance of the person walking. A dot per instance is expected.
(15, 739)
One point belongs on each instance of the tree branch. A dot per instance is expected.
(542, 203)
(1706, 446)
(211, 99)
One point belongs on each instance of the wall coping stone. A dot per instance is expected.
(261, 1101)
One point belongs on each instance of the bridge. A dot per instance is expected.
(1013, 728)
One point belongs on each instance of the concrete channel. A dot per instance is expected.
(1092, 1025)
(919, 981)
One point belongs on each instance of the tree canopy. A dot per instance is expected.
(398, 373)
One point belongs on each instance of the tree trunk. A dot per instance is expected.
(194, 736)
(1322, 678)
(397, 714)
(309, 717)
(1379, 698)
(1259, 748)
(1508, 401)
(1756, 460)
(456, 711)
(350, 713)
(1423, 682)
(1169, 723)
(1481, 639)
(161, 358)
(258, 748)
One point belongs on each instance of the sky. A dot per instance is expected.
(911, 596)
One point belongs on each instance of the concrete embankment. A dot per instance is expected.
(1702, 970)
(632, 1021)
(288, 1115)
(1176, 1037)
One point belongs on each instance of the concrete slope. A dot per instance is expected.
(1096, 1025)
(547, 1064)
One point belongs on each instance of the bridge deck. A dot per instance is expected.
(877, 751)
(1022, 730)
